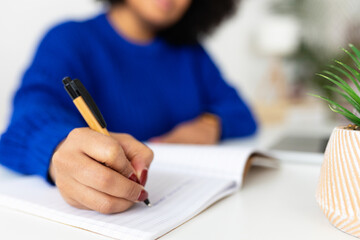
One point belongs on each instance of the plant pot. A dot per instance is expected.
(338, 192)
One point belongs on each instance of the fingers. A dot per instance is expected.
(74, 203)
(89, 198)
(138, 153)
(92, 171)
(93, 174)
(106, 180)
(103, 149)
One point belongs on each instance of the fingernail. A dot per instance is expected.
(143, 196)
(143, 177)
(134, 178)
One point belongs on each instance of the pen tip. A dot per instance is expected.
(147, 202)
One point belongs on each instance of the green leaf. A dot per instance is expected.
(342, 81)
(351, 117)
(338, 77)
(332, 103)
(350, 69)
(355, 104)
(344, 86)
(352, 57)
(356, 51)
(343, 111)
(349, 76)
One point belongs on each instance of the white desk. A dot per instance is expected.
(273, 204)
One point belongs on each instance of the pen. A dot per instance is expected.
(87, 108)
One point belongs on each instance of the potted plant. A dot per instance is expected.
(338, 192)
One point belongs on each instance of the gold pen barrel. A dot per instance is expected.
(88, 116)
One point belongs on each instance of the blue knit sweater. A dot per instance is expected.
(143, 90)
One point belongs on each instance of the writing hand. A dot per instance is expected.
(94, 171)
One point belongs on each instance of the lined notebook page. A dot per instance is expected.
(177, 195)
(212, 161)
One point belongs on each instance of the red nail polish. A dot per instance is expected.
(143, 196)
(143, 177)
(134, 178)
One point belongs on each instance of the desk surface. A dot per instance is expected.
(273, 204)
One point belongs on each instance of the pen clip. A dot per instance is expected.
(76, 89)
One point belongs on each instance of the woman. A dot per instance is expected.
(142, 63)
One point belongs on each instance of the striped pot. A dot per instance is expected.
(338, 192)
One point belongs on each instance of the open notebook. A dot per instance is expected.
(183, 181)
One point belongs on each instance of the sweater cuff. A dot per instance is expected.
(235, 123)
(44, 143)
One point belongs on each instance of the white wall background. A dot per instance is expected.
(23, 23)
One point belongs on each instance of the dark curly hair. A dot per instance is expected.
(202, 17)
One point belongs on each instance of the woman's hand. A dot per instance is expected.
(205, 129)
(98, 172)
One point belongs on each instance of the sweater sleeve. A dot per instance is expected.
(222, 100)
(43, 114)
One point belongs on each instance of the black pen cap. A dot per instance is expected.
(76, 89)
(71, 90)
